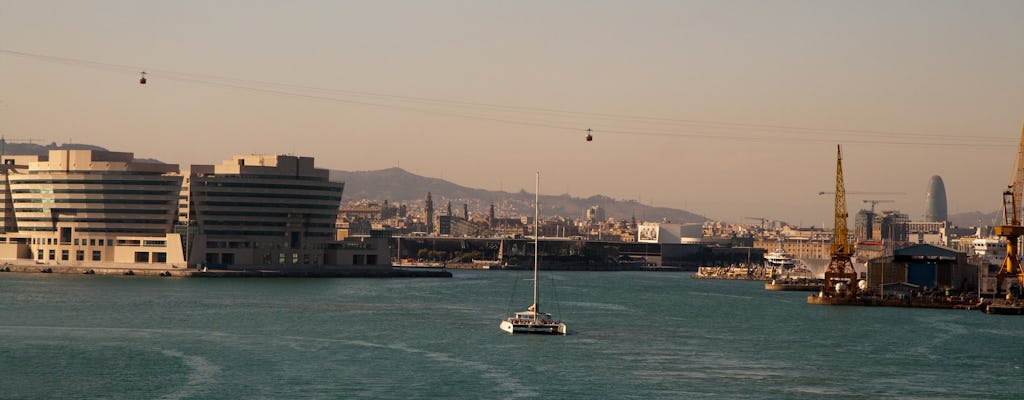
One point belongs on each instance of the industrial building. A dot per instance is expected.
(924, 266)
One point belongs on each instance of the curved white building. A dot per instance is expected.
(84, 208)
(265, 209)
(90, 206)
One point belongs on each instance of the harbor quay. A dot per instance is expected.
(249, 271)
(562, 253)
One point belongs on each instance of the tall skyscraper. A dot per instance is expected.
(935, 200)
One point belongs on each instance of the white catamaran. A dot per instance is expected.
(533, 320)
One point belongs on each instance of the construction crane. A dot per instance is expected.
(875, 202)
(840, 268)
(867, 193)
(869, 234)
(762, 219)
(1011, 228)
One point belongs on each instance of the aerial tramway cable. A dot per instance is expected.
(551, 118)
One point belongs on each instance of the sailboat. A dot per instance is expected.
(533, 320)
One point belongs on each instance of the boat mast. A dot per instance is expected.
(536, 248)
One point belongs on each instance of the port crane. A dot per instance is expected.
(1011, 229)
(840, 267)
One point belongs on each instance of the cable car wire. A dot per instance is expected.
(549, 118)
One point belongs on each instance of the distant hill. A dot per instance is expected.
(38, 149)
(976, 218)
(400, 186)
(42, 150)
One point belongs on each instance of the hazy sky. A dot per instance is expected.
(725, 108)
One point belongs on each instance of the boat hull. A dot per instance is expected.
(538, 328)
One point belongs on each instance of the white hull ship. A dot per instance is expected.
(533, 321)
(782, 262)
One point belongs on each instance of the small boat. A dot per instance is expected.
(533, 320)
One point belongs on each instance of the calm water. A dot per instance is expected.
(637, 335)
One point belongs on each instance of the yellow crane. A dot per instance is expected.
(1011, 228)
(840, 267)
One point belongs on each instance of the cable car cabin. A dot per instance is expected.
(142, 79)
(590, 138)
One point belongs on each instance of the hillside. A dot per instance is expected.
(976, 218)
(41, 150)
(400, 186)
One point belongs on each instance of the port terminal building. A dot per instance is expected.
(684, 246)
(102, 208)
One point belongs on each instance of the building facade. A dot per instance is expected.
(265, 209)
(89, 206)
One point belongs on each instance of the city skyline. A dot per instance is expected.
(727, 110)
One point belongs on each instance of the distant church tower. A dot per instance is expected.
(430, 214)
(465, 211)
(935, 200)
(490, 216)
(449, 208)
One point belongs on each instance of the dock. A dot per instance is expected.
(305, 271)
(794, 285)
(957, 303)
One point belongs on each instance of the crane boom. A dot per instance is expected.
(1011, 214)
(840, 267)
(1011, 228)
(840, 239)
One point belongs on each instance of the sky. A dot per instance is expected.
(729, 109)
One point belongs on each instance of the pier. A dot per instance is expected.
(235, 272)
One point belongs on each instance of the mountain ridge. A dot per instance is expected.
(397, 185)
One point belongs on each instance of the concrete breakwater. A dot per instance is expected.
(242, 272)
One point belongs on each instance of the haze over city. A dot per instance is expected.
(726, 109)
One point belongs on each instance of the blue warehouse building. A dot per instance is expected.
(924, 266)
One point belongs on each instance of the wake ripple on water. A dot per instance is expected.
(201, 374)
(511, 386)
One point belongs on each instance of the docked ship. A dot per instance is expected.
(779, 259)
(784, 263)
(991, 250)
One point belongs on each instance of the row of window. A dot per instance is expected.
(76, 241)
(264, 195)
(261, 176)
(97, 255)
(213, 244)
(108, 182)
(104, 200)
(201, 203)
(224, 213)
(327, 187)
(95, 191)
(93, 210)
(98, 220)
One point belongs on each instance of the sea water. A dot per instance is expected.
(633, 335)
